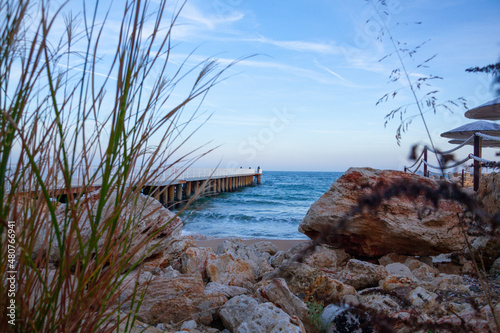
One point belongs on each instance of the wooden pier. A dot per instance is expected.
(181, 189)
(177, 186)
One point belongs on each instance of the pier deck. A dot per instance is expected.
(177, 185)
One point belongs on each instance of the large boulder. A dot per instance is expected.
(179, 299)
(400, 224)
(151, 227)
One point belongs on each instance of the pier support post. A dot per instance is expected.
(188, 190)
(178, 194)
(196, 186)
(258, 179)
(171, 195)
(425, 165)
(163, 195)
(477, 165)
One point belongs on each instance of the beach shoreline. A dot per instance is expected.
(281, 244)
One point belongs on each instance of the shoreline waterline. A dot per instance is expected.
(271, 210)
(281, 244)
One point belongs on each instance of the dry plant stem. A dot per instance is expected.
(482, 278)
(417, 101)
(55, 125)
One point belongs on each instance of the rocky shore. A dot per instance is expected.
(401, 266)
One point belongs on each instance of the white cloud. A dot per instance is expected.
(195, 16)
(329, 70)
(297, 45)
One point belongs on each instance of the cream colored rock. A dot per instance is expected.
(395, 225)
(228, 291)
(379, 302)
(145, 217)
(307, 282)
(325, 257)
(257, 258)
(362, 274)
(423, 299)
(265, 246)
(277, 292)
(225, 269)
(194, 260)
(489, 192)
(392, 282)
(243, 314)
(179, 299)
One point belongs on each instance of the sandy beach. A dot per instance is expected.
(281, 244)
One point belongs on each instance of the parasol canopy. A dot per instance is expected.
(464, 132)
(485, 143)
(487, 111)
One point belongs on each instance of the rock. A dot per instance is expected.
(243, 314)
(495, 267)
(486, 249)
(176, 247)
(362, 274)
(423, 299)
(488, 193)
(228, 291)
(194, 260)
(424, 273)
(350, 300)
(189, 325)
(399, 269)
(309, 283)
(340, 319)
(277, 292)
(279, 258)
(450, 282)
(326, 257)
(179, 299)
(226, 270)
(169, 273)
(391, 258)
(264, 246)
(380, 301)
(396, 281)
(145, 217)
(133, 282)
(448, 263)
(399, 225)
(258, 260)
(123, 326)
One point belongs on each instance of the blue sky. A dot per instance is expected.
(305, 99)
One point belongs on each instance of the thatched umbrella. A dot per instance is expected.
(487, 111)
(467, 130)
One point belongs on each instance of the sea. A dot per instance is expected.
(271, 210)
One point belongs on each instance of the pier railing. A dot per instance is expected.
(170, 175)
(203, 173)
(479, 162)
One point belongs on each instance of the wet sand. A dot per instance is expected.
(282, 244)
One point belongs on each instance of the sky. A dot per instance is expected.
(303, 95)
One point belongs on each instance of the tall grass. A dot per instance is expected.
(66, 122)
